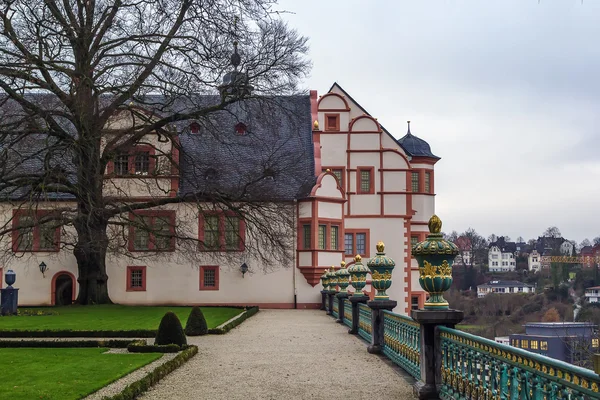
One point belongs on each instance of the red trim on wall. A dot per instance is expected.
(175, 144)
(130, 269)
(336, 95)
(378, 130)
(367, 233)
(341, 184)
(38, 214)
(204, 268)
(152, 214)
(407, 264)
(1, 276)
(53, 286)
(132, 151)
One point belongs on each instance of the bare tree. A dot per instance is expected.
(72, 71)
(552, 232)
(584, 243)
(520, 239)
(596, 240)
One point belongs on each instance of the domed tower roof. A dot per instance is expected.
(416, 146)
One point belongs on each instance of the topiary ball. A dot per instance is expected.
(196, 323)
(170, 331)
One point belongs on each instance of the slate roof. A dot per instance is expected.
(273, 160)
(504, 246)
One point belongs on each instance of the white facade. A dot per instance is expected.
(502, 340)
(534, 261)
(503, 287)
(499, 261)
(592, 294)
(357, 149)
(567, 248)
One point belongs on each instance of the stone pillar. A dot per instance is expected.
(323, 299)
(9, 298)
(330, 295)
(340, 299)
(428, 388)
(377, 307)
(356, 300)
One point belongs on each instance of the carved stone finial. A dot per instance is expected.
(357, 258)
(316, 125)
(380, 247)
(435, 224)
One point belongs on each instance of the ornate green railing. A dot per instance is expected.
(478, 368)
(335, 311)
(364, 322)
(401, 342)
(348, 313)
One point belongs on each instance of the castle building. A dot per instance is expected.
(325, 163)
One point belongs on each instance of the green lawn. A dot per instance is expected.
(110, 317)
(62, 373)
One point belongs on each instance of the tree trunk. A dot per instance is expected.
(90, 252)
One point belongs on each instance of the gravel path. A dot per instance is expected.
(284, 354)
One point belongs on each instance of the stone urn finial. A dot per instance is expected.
(333, 280)
(325, 280)
(435, 257)
(381, 268)
(358, 276)
(342, 277)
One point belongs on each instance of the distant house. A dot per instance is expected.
(502, 340)
(504, 287)
(592, 294)
(465, 250)
(534, 261)
(501, 256)
(570, 342)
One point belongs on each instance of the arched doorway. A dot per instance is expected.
(63, 289)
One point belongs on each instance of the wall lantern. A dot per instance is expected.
(43, 268)
(244, 269)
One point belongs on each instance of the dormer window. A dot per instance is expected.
(195, 128)
(269, 174)
(240, 128)
(210, 174)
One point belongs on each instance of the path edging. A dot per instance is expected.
(233, 322)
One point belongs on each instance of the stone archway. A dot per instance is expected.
(63, 288)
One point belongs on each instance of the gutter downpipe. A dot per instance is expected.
(295, 254)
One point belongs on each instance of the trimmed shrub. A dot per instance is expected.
(137, 333)
(67, 343)
(196, 323)
(170, 331)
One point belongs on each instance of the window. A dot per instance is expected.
(334, 233)
(595, 343)
(332, 122)
(142, 163)
(32, 233)
(322, 232)
(221, 231)
(534, 344)
(414, 239)
(306, 236)
(136, 279)
(349, 244)
(414, 302)
(365, 180)
(543, 345)
(415, 182)
(140, 160)
(356, 241)
(494, 256)
(209, 277)
(516, 342)
(427, 182)
(122, 164)
(524, 344)
(152, 231)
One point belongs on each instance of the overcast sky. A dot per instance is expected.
(506, 92)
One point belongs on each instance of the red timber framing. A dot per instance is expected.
(151, 216)
(209, 277)
(313, 272)
(222, 242)
(136, 278)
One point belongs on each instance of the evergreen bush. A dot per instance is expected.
(170, 331)
(196, 323)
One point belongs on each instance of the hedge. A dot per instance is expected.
(139, 333)
(140, 346)
(114, 344)
(132, 391)
(226, 328)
